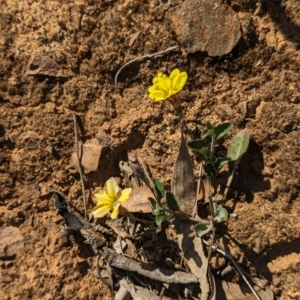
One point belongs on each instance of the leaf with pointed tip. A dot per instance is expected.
(221, 215)
(172, 201)
(239, 145)
(183, 181)
(159, 189)
(153, 203)
(197, 145)
(202, 229)
(236, 149)
(222, 129)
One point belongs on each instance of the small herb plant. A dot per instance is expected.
(168, 88)
(180, 201)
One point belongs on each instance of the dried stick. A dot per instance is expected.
(197, 192)
(147, 270)
(79, 165)
(238, 268)
(138, 58)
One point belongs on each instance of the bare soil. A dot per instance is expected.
(61, 56)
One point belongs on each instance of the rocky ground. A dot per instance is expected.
(59, 57)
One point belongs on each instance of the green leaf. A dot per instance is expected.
(239, 145)
(202, 229)
(159, 189)
(220, 162)
(172, 201)
(153, 203)
(221, 215)
(237, 148)
(197, 145)
(160, 218)
(154, 206)
(209, 170)
(222, 129)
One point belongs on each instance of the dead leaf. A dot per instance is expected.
(233, 291)
(133, 38)
(195, 257)
(135, 291)
(138, 200)
(183, 181)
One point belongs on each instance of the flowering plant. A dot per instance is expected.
(166, 88)
(109, 199)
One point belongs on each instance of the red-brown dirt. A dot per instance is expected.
(79, 46)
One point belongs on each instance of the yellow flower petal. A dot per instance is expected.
(115, 211)
(176, 82)
(102, 198)
(152, 88)
(125, 195)
(164, 87)
(164, 84)
(159, 75)
(111, 188)
(183, 80)
(158, 95)
(101, 211)
(174, 73)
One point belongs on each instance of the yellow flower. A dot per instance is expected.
(164, 87)
(109, 199)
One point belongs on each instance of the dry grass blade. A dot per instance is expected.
(79, 164)
(138, 58)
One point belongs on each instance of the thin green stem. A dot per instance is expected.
(212, 147)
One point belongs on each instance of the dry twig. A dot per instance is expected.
(138, 58)
(79, 164)
(147, 270)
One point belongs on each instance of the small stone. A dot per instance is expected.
(91, 152)
(106, 126)
(233, 215)
(49, 149)
(243, 108)
(207, 26)
(44, 190)
(276, 281)
(11, 241)
(31, 145)
(6, 279)
(9, 264)
(225, 111)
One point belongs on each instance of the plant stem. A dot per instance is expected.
(212, 147)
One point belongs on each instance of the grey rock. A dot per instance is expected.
(207, 26)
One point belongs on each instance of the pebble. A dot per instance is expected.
(6, 279)
(91, 152)
(11, 241)
(207, 26)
